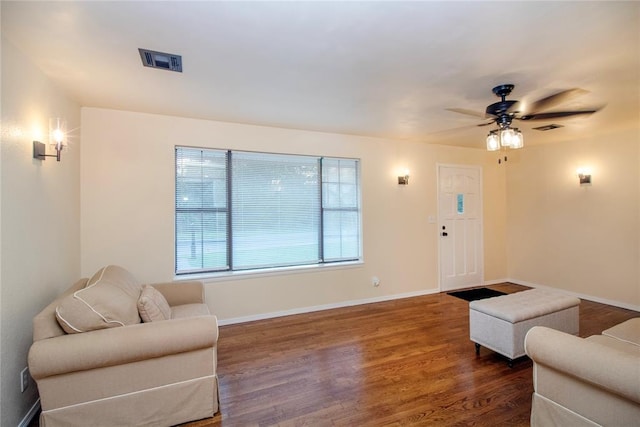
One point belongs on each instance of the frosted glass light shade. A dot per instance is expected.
(506, 137)
(518, 140)
(493, 142)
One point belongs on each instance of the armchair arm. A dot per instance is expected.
(120, 345)
(179, 293)
(590, 361)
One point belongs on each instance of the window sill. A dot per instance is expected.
(266, 272)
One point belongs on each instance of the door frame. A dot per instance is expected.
(439, 219)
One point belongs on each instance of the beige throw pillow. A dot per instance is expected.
(109, 300)
(152, 305)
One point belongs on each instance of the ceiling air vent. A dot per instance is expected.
(164, 61)
(548, 127)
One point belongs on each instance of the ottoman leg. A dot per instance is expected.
(477, 349)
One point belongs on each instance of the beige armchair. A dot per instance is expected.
(156, 373)
(592, 381)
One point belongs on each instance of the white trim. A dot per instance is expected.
(266, 272)
(32, 413)
(494, 282)
(579, 295)
(310, 309)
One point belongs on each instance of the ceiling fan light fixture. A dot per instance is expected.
(493, 141)
(505, 111)
(505, 137)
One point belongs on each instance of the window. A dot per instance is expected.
(201, 210)
(243, 210)
(340, 209)
(460, 203)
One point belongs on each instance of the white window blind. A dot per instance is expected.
(340, 209)
(201, 210)
(276, 210)
(244, 210)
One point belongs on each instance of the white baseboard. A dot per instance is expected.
(579, 295)
(494, 282)
(351, 303)
(32, 413)
(310, 309)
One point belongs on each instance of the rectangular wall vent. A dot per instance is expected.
(548, 127)
(164, 61)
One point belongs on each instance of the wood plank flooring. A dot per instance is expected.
(395, 363)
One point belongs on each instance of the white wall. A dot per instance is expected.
(127, 209)
(40, 202)
(584, 239)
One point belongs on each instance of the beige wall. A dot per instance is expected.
(40, 216)
(584, 239)
(127, 188)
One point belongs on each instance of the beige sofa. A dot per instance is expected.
(97, 363)
(591, 381)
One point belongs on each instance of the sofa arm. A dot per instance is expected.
(592, 362)
(179, 293)
(120, 345)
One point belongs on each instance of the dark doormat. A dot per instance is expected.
(475, 294)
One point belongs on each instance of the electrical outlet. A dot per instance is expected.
(24, 379)
(375, 281)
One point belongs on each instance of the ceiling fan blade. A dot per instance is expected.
(456, 129)
(480, 114)
(555, 115)
(486, 124)
(555, 99)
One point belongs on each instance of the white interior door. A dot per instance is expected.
(460, 226)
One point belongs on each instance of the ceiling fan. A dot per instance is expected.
(504, 112)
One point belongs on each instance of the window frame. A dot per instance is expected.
(229, 269)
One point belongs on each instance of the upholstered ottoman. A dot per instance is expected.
(500, 323)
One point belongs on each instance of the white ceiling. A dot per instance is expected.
(387, 69)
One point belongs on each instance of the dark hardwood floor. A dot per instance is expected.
(402, 362)
(395, 363)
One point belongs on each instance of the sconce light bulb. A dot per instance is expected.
(57, 132)
(584, 175)
(583, 171)
(58, 136)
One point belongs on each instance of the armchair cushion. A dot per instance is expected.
(628, 331)
(152, 305)
(109, 300)
(189, 310)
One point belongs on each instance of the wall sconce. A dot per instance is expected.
(584, 175)
(57, 139)
(404, 179)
